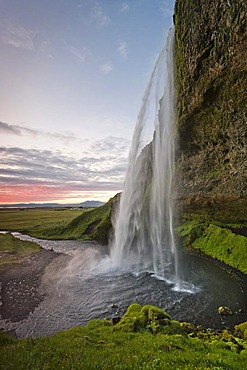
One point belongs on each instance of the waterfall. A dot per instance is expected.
(143, 225)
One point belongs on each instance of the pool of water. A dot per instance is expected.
(89, 286)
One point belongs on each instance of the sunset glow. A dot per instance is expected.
(43, 194)
(70, 94)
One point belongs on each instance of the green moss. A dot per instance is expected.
(191, 230)
(154, 313)
(99, 346)
(224, 310)
(241, 330)
(224, 245)
(133, 320)
(217, 230)
(6, 339)
(150, 318)
(213, 174)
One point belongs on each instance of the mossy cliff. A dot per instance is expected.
(211, 51)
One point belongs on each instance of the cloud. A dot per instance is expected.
(103, 167)
(112, 144)
(45, 48)
(48, 175)
(7, 128)
(122, 49)
(82, 54)
(17, 36)
(106, 68)
(100, 18)
(67, 136)
(166, 8)
(124, 8)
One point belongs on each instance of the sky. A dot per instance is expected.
(72, 77)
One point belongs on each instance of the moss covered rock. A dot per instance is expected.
(133, 320)
(216, 241)
(224, 310)
(150, 318)
(241, 330)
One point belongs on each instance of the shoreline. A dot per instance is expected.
(20, 293)
(22, 287)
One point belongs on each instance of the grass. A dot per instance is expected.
(92, 224)
(12, 250)
(100, 345)
(56, 223)
(36, 221)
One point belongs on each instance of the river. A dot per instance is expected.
(88, 287)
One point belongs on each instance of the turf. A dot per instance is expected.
(100, 345)
(36, 221)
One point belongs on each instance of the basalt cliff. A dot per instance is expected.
(211, 62)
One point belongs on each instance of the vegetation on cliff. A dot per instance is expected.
(216, 229)
(144, 338)
(94, 224)
(211, 52)
(211, 94)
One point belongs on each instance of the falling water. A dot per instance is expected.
(143, 225)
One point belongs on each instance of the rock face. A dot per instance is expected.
(211, 52)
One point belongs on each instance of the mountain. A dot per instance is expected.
(91, 203)
(87, 203)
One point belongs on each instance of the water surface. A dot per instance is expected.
(89, 286)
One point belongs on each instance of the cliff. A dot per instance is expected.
(211, 51)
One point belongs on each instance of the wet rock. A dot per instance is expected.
(188, 327)
(241, 330)
(224, 310)
(115, 320)
(114, 306)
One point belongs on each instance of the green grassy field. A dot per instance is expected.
(57, 223)
(36, 218)
(36, 221)
(145, 338)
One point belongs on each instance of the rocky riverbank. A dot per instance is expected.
(20, 293)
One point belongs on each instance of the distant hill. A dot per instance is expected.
(92, 203)
(87, 203)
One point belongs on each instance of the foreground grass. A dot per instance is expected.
(12, 250)
(100, 345)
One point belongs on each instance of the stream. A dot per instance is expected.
(88, 287)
